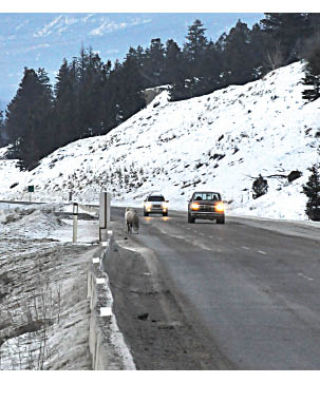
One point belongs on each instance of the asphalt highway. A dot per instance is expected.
(253, 284)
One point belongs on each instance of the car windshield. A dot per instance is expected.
(206, 196)
(158, 198)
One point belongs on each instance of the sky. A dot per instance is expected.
(43, 39)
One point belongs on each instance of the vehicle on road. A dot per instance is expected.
(155, 204)
(206, 205)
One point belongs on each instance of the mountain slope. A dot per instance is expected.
(220, 141)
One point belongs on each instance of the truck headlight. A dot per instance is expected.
(148, 206)
(195, 206)
(164, 205)
(219, 207)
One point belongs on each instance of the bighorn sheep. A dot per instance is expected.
(132, 220)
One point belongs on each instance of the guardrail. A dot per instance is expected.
(86, 197)
(106, 343)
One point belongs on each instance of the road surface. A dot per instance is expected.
(244, 295)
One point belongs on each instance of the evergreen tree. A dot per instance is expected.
(238, 56)
(126, 84)
(2, 140)
(286, 33)
(192, 81)
(44, 110)
(173, 68)
(182, 88)
(313, 24)
(258, 46)
(131, 99)
(212, 66)
(154, 63)
(312, 191)
(27, 116)
(66, 111)
(259, 187)
(312, 76)
(196, 44)
(92, 77)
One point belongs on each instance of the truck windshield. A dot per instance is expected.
(158, 198)
(206, 197)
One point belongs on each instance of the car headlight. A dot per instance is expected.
(219, 207)
(195, 206)
(164, 205)
(148, 205)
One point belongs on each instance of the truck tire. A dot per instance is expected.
(221, 220)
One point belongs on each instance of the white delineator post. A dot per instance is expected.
(104, 214)
(75, 222)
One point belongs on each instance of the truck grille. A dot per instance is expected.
(206, 208)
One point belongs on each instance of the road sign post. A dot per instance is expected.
(75, 221)
(30, 191)
(104, 214)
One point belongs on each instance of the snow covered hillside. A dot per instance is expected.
(220, 142)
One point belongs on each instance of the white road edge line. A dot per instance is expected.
(305, 276)
(245, 248)
(261, 252)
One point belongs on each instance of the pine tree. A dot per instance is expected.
(259, 187)
(258, 45)
(92, 79)
(2, 140)
(130, 97)
(191, 81)
(182, 88)
(44, 110)
(174, 65)
(312, 76)
(312, 191)
(212, 66)
(286, 33)
(238, 56)
(154, 63)
(66, 110)
(196, 43)
(26, 118)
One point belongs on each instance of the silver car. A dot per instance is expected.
(155, 204)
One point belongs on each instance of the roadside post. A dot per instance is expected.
(75, 221)
(30, 191)
(104, 214)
